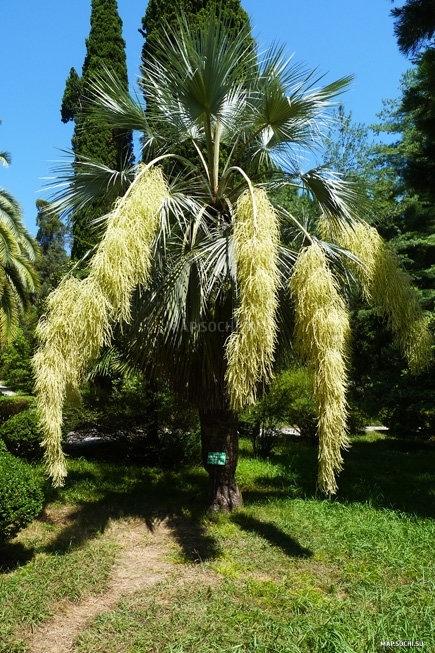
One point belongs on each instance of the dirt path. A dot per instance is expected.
(141, 563)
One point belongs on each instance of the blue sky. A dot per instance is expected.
(41, 41)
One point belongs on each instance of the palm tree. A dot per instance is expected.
(211, 280)
(5, 157)
(18, 279)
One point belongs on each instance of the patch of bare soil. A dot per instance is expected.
(142, 562)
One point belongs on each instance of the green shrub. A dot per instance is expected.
(21, 498)
(22, 435)
(178, 447)
(15, 362)
(294, 389)
(409, 410)
(289, 401)
(10, 406)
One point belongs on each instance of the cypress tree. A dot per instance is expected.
(164, 14)
(105, 47)
(159, 12)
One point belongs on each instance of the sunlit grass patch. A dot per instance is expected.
(32, 593)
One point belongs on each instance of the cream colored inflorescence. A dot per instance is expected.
(250, 348)
(387, 288)
(322, 332)
(80, 313)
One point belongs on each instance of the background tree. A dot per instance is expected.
(401, 207)
(5, 157)
(51, 237)
(410, 172)
(111, 147)
(161, 13)
(194, 267)
(414, 25)
(408, 403)
(347, 146)
(50, 265)
(18, 279)
(416, 114)
(18, 283)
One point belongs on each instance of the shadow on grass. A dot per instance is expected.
(195, 543)
(388, 473)
(13, 555)
(391, 473)
(272, 534)
(101, 491)
(148, 494)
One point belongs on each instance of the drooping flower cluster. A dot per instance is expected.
(80, 313)
(250, 348)
(321, 331)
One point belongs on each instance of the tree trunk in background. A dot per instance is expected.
(219, 435)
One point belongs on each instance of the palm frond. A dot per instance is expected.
(111, 362)
(5, 159)
(337, 198)
(10, 213)
(17, 253)
(113, 104)
(199, 71)
(78, 182)
(23, 277)
(10, 309)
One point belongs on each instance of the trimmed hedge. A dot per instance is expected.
(22, 435)
(10, 406)
(21, 497)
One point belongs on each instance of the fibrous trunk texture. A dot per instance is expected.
(219, 435)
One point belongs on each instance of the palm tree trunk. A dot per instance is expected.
(220, 450)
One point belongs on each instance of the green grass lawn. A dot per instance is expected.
(291, 572)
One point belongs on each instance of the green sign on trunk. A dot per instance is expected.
(216, 458)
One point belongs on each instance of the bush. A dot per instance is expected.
(15, 362)
(22, 435)
(178, 447)
(21, 498)
(289, 401)
(409, 410)
(10, 406)
(295, 386)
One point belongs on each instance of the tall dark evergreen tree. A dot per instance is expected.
(105, 47)
(418, 107)
(159, 12)
(164, 15)
(414, 25)
(413, 155)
